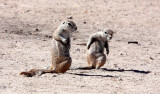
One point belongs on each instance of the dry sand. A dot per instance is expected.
(26, 27)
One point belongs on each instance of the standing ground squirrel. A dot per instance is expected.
(61, 60)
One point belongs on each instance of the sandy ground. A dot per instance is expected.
(26, 27)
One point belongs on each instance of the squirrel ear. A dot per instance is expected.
(110, 32)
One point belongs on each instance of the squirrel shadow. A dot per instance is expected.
(117, 70)
(123, 70)
(80, 74)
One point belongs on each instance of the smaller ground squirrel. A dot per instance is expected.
(95, 48)
(61, 60)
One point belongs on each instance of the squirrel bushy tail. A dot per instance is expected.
(35, 72)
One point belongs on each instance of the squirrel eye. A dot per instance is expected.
(63, 22)
(105, 32)
(69, 24)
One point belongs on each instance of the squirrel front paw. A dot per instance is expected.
(64, 40)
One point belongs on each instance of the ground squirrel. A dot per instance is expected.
(95, 48)
(61, 60)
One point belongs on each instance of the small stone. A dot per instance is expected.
(43, 60)
(27, 11)
(6, 31)
(74, 38)
(3, 54)
(50, 36)
(82, 86)
(120, 79)
(54, 76)
(120, 54)
(69, 17)
(78, 49)
(44, 40)
(3, 87)
(115, 65)
(37, 29)
(30, 33)
(151, 58)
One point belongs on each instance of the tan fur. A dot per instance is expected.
(96, 44)
(61, 60)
